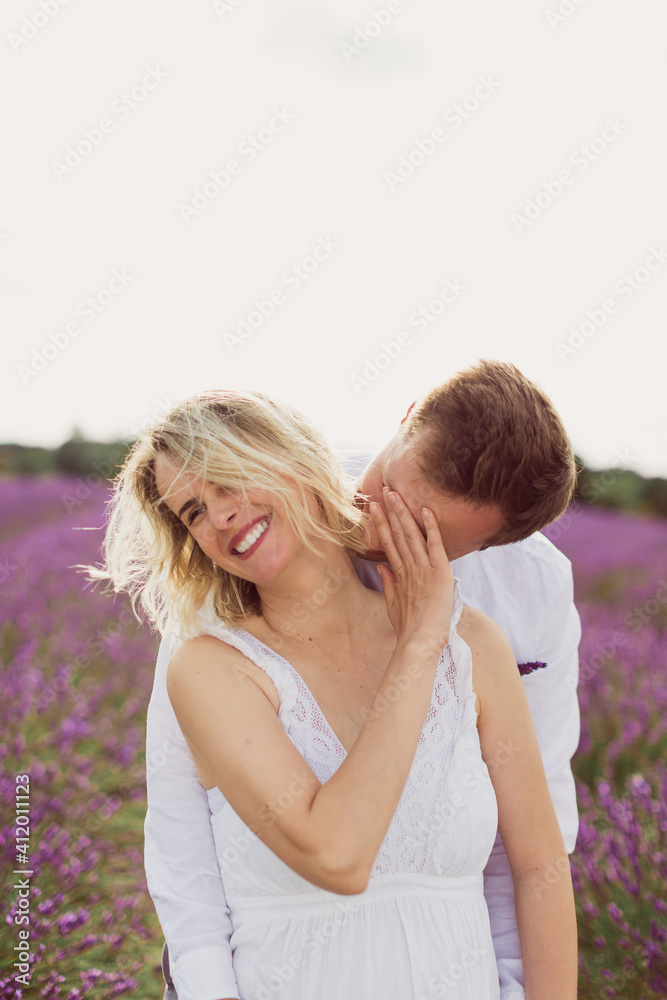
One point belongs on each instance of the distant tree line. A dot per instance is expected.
(619, 488)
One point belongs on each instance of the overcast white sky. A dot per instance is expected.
(115, 114)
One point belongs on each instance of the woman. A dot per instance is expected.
(343, 736)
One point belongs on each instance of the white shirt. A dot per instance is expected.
(527, 588)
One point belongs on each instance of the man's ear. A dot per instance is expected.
(410, 408)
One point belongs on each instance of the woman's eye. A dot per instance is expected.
(194, 513)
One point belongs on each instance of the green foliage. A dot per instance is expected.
(74, 457)
(620, 489)
(654, 496)
(16, 459)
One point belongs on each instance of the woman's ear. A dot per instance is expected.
(409, 411)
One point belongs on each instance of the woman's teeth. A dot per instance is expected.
(252, 536)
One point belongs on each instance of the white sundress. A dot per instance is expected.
(421, 929)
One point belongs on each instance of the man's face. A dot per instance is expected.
(464, 528)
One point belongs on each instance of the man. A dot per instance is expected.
(488, 454)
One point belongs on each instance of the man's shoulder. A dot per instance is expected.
(524, 578)
(535, 555)
(537, 548)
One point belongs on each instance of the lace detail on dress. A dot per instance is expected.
(426, 807)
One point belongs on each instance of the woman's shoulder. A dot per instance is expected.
(212, 639)
(493, 663)
(210, 654)
(205, 647)
(476, 626)
(492, 656)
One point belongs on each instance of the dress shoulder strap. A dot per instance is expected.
(461, 657)
(457, 603)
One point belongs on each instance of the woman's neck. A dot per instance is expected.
(320, 599)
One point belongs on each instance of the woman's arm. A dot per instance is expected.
(526, 817)
(330, 834)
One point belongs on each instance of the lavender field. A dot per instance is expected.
(76, 679)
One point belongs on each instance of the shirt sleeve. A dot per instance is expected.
(180, 858)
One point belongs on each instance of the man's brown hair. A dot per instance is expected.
(490, 436)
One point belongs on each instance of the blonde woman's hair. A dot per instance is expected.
(240, 441)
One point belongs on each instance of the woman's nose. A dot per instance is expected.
(222, 510)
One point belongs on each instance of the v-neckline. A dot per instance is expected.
(293, 668)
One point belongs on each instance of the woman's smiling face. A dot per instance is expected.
(246, 534)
